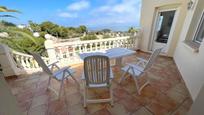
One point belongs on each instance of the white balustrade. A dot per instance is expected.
(66, 51)
(25, 61)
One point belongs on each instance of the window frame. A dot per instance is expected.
(198, 29)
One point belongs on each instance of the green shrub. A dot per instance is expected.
(89, 37)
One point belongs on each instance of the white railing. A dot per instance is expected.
(25, 61)
(69, 51)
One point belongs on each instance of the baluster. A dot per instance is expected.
(85, 47)
(121, 43)
(27, 62)
(60, 53)
(22, 61)
(67, 51)
(91, 47)
(17, 60)
(105, 45)
(80, 48)
(30, 62)
(117, 43)
(100, 45)
(96, 46)
(109, 43)
(35, 63)
(114, 44)
(74, 51)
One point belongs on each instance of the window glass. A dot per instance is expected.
(200, 30)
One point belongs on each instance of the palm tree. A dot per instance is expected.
(5, 9)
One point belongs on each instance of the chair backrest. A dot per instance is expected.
(41, 63)
(96, 69)
(153, 58)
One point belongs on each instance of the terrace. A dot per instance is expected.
(166, 94)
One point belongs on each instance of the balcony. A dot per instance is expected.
(166, 94)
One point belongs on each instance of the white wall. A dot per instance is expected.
(148, 10)
(191, 64)
(197, 107)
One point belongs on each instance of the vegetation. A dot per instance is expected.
(90, 36)
(132, 30)
(106, 36)
(5, 9)
(56, 30)
(23, 40)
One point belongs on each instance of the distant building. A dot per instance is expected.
(21, 26)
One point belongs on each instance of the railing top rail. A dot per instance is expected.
(22, 54)
(26, 55)
(88, 41)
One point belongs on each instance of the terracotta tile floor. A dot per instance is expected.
(166, 94)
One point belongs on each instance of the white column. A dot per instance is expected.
(49, 46)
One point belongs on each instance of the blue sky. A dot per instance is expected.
(96, 14)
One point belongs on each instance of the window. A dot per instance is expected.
(199, 35)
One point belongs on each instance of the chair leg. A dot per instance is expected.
(61, 85)
(143, 86)
(123, 77)
(136, 84)
(49, 81)
(74, 79)
(111, 95)
(85, 96)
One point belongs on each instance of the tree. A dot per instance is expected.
(82, 29)
(7, 24)
(47, 27)
(63, 32)
(23, 41)
(106, 30)
(34, 26)
(132, 30)
(89, 37)
(5, 9)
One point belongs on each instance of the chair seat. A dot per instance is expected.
(137, 69)
(59, 73)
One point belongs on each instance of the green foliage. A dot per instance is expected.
(34, 26)
(106, 36)
(5, 9)
(8, 24)
(23, 41)
(61, 31)
(81, 29)
(132, 30)
(106, 30)
(89, 37)
(48, 27)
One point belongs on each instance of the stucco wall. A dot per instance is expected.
(147, 21)
(191, 64)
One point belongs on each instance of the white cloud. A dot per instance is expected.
(76, 6)
(68, 15)
(125, 12)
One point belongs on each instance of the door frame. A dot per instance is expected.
(155, 23)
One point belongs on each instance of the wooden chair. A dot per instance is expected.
(60, 74)
(97, 74)
(138, 69)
